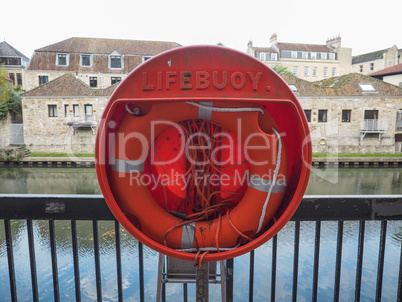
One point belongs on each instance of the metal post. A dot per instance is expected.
(202, 285)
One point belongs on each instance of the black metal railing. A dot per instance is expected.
(318, 209)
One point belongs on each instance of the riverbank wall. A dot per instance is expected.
(316, 162)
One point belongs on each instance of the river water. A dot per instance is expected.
(346, 181)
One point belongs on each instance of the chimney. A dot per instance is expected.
(335, 42)
(274, 39)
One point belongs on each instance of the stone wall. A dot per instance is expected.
(4, 132)
(45, 134)
(345, 137)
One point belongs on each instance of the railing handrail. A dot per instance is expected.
(89, 207)
(374, 125)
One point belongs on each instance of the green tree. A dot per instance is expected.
(281, 70)
(10, 98)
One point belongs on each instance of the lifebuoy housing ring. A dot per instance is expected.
(266, 183)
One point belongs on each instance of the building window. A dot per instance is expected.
(391, 63)
(88, 113)
(76, 110)
(314, 55)
(323, 56)
(314, 71)
(367, 88)
(93, 81)
(361, 68)
(52, 110)
(115, 80)
(322, 116)
(12, 77)
(19, 79)
(145, 58)
(295, 70)
(66, 110)
(286, 54)
(333, 71)
(325, 71)
(346, 114)
(43, 79)
(371, 66)
(62, 59)
(115, 61)
(306, 71)
(10, 61)
(262, 56)
(307, 112)
(274, 57)
(305, 55)
(86, 60)
(331, 56)
(371, 114)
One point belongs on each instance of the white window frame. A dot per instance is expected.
(306, 71)
(314, 55)
(294, 54)
(76, 110)
(331, 56)
(295, 70)
(315, 73)
(324, 56)
(115, 53)
(333, 71)
(67, 59)
(274, 56)
(262, 56)
(304, 55)
(325, 71)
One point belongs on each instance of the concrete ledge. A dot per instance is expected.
(51, 162)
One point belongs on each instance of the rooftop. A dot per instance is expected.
(68, 85)
(107, 46)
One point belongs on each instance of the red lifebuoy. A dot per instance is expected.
(128, 182)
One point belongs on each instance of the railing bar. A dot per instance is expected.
(97, 260)
(316, 259)
(296, 260)
(31, 244)
(399, 293)
(163, 292)
(338, 261)
(273, 276)
(251, 279)
(53, 253)
(185, 294)
(141, 269)
(75, 260)
(381, 255)
(118, 261)
(359, 264)
(229, 280)
(10, 256)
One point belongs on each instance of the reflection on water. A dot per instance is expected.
(263, 260)
(352, 181)
(49, 181)
(343, 181)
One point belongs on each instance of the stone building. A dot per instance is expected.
(61, 116)
(352, 113)
(392, 75)
(377, 60)
(311, 62)
(15, 64)
(97, 62)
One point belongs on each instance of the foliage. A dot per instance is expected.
(279, 69)
(10, 97)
